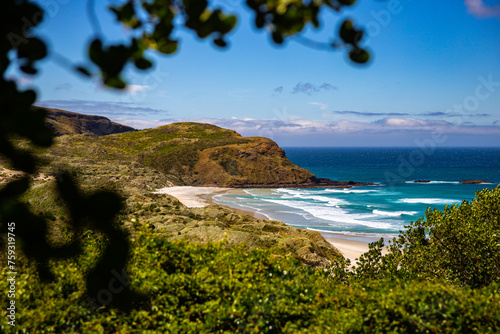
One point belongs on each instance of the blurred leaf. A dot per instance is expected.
(220, 42)
(347, 32)
(33, 49)
(359, 56)
(83, 71)
(28, 69)
(347, 2)
(115, 82)
(168, 48)
(143, 63)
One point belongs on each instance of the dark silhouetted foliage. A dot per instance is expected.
(154, 21)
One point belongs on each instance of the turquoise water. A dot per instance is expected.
(372, 211)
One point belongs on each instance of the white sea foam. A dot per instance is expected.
(394, 213)
(428, 200)
(444, 182)
(249, 192)
(434, 182)
(311, 195)
(321, 231)
(372, 192)
(330, 201)
(338, 216)
(292, 191)
(350, 191)
(387, 236)
(372, 224)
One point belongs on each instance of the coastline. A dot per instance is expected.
(197, 197)
(191, 196)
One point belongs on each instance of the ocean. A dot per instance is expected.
(370, 212)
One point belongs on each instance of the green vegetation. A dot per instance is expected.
(188, 154)
(64, 122)
(214, 287)
(209, 269)
(212, 270)
(460, 245)
(166, 215)
(74, 245)
(154, 22)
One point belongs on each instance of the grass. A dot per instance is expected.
(188, 154)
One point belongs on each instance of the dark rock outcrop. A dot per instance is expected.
(474, 181)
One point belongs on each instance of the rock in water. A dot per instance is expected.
(474, 181)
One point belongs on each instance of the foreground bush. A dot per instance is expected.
(460, 245)
(213, 288)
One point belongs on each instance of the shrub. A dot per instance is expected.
(460, 244)
(214, 288)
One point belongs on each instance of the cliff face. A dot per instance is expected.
(69, 123)
(258, 162)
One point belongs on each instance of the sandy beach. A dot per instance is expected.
(192, 197)
(351, 249)
(196, 197)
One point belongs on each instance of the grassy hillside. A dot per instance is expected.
(191, 154)
(69, 123)
(170, 218)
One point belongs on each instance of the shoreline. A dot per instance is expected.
(191, 196)
(350, 246)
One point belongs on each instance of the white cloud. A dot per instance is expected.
(479, 9)
(248, 126)
(309, 88)
(322, 106)
(134, 89)
(103, 108)
(412, 123)
(138, 123)
(384, 132)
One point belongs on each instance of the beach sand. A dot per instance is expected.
(196, 197)
(351, 249)
(193, 197)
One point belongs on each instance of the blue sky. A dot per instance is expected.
(434, 77)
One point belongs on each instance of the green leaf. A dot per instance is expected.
(83, 71)
(277, 37)
(229, 23)
(33, 49)
(359, 56)
(220, 42)
(347, 2)
(95, 51)
(347, 32)
(169, 47)
(28, 68)
(143, 63)
(115, 82)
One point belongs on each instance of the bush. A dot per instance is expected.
(460, 245)
(214, 288)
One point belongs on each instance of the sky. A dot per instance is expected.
(434, 78)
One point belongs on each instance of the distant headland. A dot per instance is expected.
(189, 154)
